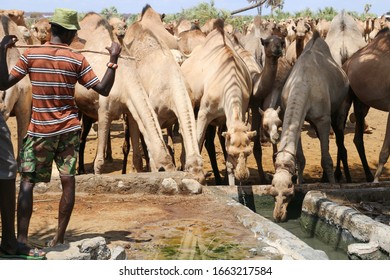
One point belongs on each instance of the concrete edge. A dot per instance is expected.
(360, 226)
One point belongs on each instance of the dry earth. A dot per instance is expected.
(179, 227)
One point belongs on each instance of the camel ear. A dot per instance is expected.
(261, 112)
(278, 110)
(251, 134)
(226, 135)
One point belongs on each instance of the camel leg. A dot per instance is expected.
(126, 143)
(323, 130)
(222, 139)
(104, 126)
(146, 153)
(210, 147)
(257, 151)
(170, 144)
(361, 111)
(384, 154)
(132, 134)
(85, 129)
(108, 151)
(338, 125)
(301, 161)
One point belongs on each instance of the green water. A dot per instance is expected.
(335, 249)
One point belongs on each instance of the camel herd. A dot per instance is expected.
(243, 86)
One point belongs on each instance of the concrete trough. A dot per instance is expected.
(345, 227)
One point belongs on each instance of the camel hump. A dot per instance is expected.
(316, 35)
(382, 31)
(219, 24)
(147, 6)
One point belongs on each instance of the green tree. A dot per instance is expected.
(110, 12)
(367, 8)
(327, 13)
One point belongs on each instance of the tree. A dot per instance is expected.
(274, 4)
(367, 8)
(110, 12)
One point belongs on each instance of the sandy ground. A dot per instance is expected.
(179, 227)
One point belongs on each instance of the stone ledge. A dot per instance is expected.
(148, 182)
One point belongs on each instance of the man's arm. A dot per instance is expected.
(104, 87)
(6, 80)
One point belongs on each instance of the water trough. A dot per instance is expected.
(330, 218)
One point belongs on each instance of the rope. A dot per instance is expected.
(71, 49)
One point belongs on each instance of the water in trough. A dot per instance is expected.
(264, 205)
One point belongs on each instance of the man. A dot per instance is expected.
(53, 132)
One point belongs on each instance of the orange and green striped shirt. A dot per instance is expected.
(54, 73)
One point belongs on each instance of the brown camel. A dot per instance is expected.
(368, 72)
(273, 50)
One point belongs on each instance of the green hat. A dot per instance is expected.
(66, 18)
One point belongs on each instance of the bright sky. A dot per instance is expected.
(378, 7)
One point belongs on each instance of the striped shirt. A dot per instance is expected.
(54, 73)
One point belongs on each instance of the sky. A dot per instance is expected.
(378, 7)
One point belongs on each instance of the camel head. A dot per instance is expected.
(42, 30)
(271, 124)
(282, 187)
(301, 29)
(238, 148)
(273, 46)
(119, 27)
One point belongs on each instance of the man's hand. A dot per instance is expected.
(8, 41)
(114, 51)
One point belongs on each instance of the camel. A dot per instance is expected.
(254, 70)
(164, 83)
(344, 37)
(119, 27)
(367, 71)
(220, 88)
(261, 98)
(42, 30)
(16, 101)
(16, 16)
(303, 33)
(127, 96)
(252, 43)
(314, 91)
(378, 24)
(322, 27)
(189, 39)
(367, 28)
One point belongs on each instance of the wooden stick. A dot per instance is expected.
(69, 48)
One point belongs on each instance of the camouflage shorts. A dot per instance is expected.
(38, 153)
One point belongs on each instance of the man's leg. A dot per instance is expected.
(65, 208)
(7, 210)
(25, 208)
